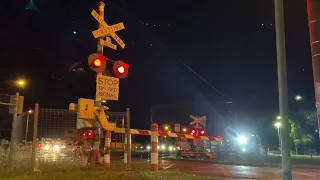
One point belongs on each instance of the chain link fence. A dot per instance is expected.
(5, 117)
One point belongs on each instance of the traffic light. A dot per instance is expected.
(97, 62)
(193, 132)
(202, 132)
(121, 69)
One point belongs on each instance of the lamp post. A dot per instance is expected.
(27, 124)
(278, 125)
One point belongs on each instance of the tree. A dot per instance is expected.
(298, 135)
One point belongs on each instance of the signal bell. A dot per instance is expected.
(97, 62)
(121, 69)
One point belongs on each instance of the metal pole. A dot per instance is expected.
(34, 138)
(314, 32)
(128, 138)
(283, 90)
(279, 138)
(100, 50)
(13, 132)
(122, 138)
(27, 127)
(101, 13)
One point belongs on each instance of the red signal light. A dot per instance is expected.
(87, 134)
(202, 132)
(97, 62)
(193, 132)
(39, 145)
(121, 69)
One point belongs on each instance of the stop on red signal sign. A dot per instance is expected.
(121, 69)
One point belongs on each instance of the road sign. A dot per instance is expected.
(105, 31)
(20, 104)
(107, 88)
(177, 128)
(198, 122)
(108, 43)
(106, 26)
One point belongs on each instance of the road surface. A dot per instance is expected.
(236, 171)
(211, 169)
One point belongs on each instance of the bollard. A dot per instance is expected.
(107, 152)
(125, 155)
(154, 147)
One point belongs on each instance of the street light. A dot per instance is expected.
(278, 117)
(298, 97)
(21, 83)
(184, 129)
(166, 127)
(27, 124)
(278, 125)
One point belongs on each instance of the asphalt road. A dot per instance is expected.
(236, 171)
(211, 169)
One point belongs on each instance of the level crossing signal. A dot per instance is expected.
(202, 132)
(121, 69)
(193, 132)
(97, 62)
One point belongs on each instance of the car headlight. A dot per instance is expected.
(46, 147)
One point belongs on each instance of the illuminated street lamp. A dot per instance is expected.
(166, 127)
(27, 124)
(278, 125)
(184, 129)
(298, 97)
(21, 83)
(278, 117)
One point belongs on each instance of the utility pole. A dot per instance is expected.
(283, 89)
(314, 32)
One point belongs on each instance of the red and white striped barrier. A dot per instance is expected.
(177, 135)
(154, 147)
(107, 155)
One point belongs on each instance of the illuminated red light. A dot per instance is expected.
(39, 144)
(97, 62)
(121, 69)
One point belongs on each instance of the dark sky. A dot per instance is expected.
(231, 44)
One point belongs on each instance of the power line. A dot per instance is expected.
(202, 78)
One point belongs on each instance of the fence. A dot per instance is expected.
(5, 116)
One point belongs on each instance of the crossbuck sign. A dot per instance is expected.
(198, 122)
(107, 30)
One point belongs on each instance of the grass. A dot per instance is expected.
(100, 173)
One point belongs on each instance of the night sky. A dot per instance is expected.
(230, 44)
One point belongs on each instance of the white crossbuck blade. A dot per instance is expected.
(197, 121)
